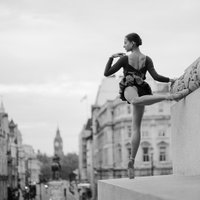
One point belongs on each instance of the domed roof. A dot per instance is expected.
(108, 90)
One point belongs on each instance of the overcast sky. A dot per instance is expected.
(53, 52)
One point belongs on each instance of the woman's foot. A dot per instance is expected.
(179, 95)
(131, 171)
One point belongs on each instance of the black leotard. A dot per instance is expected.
(134, 77)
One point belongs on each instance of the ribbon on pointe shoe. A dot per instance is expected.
(131, 170)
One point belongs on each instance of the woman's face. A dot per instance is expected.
(128, 46)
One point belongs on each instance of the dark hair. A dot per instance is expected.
(134, 37)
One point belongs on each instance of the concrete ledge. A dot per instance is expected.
(169, 187)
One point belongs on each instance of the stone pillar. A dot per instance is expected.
(186, 135)
(186, 123)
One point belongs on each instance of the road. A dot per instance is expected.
(42, 192)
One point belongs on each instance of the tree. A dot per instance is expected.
(69, 164)
(46, 166)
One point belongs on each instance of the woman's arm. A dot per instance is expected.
(109, 70)
(154, 74)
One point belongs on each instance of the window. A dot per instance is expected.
(162, 156)
(145, 133)
(129, 152)
(161, 133)
(118, 112)
(97, 125)
(119, 154)
(160, 107)
(117, 135)
(145, 154)
(105, 156)
(1, 132)
(100, 158)
(129, 131)
(105, 137)
(129, 109)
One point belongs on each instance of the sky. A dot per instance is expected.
(53, 53)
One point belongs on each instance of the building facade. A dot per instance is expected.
(85, 153)
(111, 136)
(4, 130)
(13, 158)
(86, 173)
(32, 165)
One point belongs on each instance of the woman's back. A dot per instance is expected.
(137, 60)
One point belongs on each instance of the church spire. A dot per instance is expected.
(58, 132)
(2, 109)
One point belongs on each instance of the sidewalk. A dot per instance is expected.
(44, 195)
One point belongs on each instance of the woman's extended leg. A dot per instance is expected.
(131, 95)
(135, 138)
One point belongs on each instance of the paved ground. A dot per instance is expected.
(42, 193)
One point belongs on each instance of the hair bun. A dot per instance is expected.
(139, 41)
(135, 38)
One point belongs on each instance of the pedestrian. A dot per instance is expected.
(9, 191)
(134, 89)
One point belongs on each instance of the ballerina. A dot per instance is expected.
(134, 89)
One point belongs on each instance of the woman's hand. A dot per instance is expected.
(172, 81)
(116, 55)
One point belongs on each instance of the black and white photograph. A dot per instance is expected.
(99, 100)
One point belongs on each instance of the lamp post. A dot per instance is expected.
(41, 180)
(29, 169)
(18, 164)
(113, 141)
(152, 162)
(100, 170)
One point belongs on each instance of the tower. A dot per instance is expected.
(58, 144)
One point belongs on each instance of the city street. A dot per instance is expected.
(42, 192)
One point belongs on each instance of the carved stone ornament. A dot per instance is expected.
(189, 80)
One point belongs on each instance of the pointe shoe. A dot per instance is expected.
(179, 95)
(131, 170)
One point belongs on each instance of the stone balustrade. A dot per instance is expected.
(190, 79)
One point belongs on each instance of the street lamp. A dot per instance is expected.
(46, 187)
(152, 162)
(41, 181)
(29, 169)
(100, 170)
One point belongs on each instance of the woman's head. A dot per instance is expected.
(131, 41)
